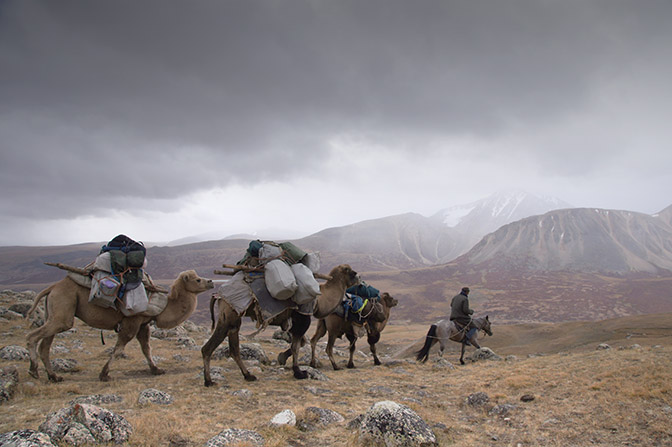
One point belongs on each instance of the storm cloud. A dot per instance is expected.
(146, 108)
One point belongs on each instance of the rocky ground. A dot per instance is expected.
(603, 394)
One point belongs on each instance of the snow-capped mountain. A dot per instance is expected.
(476, 219)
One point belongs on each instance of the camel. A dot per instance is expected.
(66, 300)
(337, 326)
(228, 323)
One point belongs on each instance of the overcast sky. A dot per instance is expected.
(163, 119)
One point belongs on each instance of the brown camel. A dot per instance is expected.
(66, 300)
(337, 325)
(228, 323)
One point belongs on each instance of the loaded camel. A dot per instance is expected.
(66, 300)
(228, 323)
(337, 326)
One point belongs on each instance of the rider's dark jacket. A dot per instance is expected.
(459, 309)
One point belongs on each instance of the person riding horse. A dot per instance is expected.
(461, 313)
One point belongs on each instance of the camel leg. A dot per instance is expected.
(330, 351)
(300, 325)
(39, 335)
(143, 339)
(128, 331)
(352, 338)
(319, 333)
(372, 339)
(464, 345)
(217, 337)
(234, 350)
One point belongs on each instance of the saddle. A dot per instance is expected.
(459, 333)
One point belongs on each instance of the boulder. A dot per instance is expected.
(395, 425)
(26, 438)
(80, 424)
(9, 380)
(234, 437)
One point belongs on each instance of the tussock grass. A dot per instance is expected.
(581, 396)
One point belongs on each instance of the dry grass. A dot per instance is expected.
(582, 397)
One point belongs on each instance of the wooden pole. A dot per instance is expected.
(237, 268)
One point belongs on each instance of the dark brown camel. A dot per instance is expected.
(228, 323)
(337, 326)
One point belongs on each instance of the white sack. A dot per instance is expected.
(312, 261)
(280, 280)
(269, 251)
(308, 287)
(103, 262)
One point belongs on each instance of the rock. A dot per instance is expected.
(394, 425)
(97, 399)
(477, 399)
(154, 396)
(13, 352)
(315, 417)
(65, 365)
(380, 390)
(484, 354)
(527, 398)
(187, 342)
(85, 423)
(501, 409)
(26, 438)
(279, 334)
(20, 308)
(248, 351)
(234, 437)
(603, 346)
(315, 374)
(243, 394)
(285, 417)
(9, 380)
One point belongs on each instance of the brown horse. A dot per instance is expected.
(376, 317)
(228, 323)
(445, 330)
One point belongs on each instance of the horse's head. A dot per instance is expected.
(486, 326)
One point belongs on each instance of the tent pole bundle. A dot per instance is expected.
(236, 268)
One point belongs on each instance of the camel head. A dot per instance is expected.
(389, 300)
(345, 273)
(193, 283)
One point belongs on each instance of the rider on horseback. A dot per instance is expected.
(460, 312)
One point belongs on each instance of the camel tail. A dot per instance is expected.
(213, 299)
(423, 354)
(37, 300)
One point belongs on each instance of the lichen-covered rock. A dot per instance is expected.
(314, 417)
(153, 396)
(65, 365)
(248, 351)
(26, 438)
(395, 425)
(14, 352)
(84, 423)
(477, 399)
(234, 437)
(97, 399)
(484, 354)
(9, 380)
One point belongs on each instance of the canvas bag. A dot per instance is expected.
(280, 280)
(236, 292)
(308, 287)
(104, 289)
(135, 301)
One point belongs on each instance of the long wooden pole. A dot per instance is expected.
(150, 287)
(237, 268)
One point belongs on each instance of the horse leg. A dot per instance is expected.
(143, 339)
(464, 345)
(372, 339)
(319, 333)
(300, 325)
(128, 331)
(352, 338)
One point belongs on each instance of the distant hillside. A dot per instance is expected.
(581, 240)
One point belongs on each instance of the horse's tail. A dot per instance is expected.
(423, 354)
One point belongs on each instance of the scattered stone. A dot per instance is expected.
(84, 423)
(97, 399)
(380, 390)
(9, 380)
(394, 425)
(154, 396)
(187, 342)
(510, 358)
(26, 438)
(317, 391)
(181, 358)
(484, 354)
(244, 394)
(20, 308)
(502, 409)
(279, 334)
(477, 399)
(603, 346)
(248, 351)
(177, 440)
(285, 417)
(234, 437)
(14, 352)
(315, 374)
(527, 398)
(65, 365)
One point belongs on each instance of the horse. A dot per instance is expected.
(373, 317)
(445, 330)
